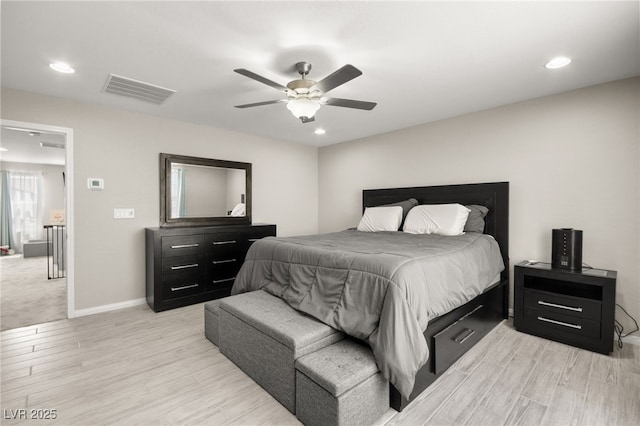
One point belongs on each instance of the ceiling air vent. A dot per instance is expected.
(124, 86)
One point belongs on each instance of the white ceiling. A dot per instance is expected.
(21, 147)
(421, 61)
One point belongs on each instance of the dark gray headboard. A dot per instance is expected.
(494, 195)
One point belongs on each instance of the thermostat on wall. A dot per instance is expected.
(95, 183)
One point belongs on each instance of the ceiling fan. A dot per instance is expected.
(305, 97)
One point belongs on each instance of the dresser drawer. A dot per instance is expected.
(177, 267)
(187, 285)
(182, 245)
(220, 281)
(223, 268)
(223, 245)
(544, 321)
(567, 305)
(258, 233)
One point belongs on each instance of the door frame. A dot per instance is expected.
(67, 132)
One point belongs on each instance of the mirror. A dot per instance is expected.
(201, 191)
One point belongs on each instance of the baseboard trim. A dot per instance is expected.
(111, 307)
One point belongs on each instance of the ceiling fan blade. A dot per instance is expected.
(339, 77)
(261, 79)
(261, 103)
(350, 103)
(307, 119)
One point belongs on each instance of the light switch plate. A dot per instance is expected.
(124, 213)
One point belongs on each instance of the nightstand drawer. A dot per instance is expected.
(543, 320)
(567, 305)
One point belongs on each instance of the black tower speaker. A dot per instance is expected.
(566, 249)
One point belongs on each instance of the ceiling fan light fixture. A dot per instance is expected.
(303, 107)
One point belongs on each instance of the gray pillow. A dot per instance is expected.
(475, 221)
(406, 206)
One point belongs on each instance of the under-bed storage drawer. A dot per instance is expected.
(456, 339)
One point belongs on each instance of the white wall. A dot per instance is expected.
(572, 160)
(123, 147)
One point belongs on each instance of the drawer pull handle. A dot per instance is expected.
(175, 268)
(219, 243)
(179, 246)
(253, 240)
(466, 333)
(218, 262)
(566, 324)
(184, 287)
(555, 305)
(224, 280)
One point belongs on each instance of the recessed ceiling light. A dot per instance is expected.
(320, 131)
(3, 149)
(62, 67)
(559, 62)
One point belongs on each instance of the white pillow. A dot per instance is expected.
(443, 219)
(381, 219)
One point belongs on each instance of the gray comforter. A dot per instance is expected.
(381, 287)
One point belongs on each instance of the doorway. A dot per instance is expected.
(37, 168)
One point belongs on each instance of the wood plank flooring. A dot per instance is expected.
(136, 367)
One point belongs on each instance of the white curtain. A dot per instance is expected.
(26, 206)
(178, 192)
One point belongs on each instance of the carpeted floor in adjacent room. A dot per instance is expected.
(28, 297)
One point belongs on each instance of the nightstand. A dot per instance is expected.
(576, 308)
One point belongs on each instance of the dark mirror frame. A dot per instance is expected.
(165, 192)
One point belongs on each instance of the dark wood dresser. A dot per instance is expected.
(576, 308)
(187, 265)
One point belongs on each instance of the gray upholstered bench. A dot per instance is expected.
(340, 385)
(264, 336)
(211, 323)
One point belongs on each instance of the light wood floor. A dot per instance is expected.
(137, 367)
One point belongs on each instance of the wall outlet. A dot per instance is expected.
(124, 213)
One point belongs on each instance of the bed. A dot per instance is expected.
(364, 284)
